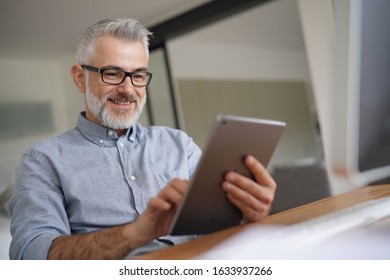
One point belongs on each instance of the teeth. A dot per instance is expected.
(121, 103)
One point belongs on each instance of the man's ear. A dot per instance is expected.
(78, 76)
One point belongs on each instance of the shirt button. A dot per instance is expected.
(132, 178)
(121, 144)
(101, 141)
(110, 133)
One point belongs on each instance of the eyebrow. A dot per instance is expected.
(120, 68)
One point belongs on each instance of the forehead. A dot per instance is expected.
(110, 51)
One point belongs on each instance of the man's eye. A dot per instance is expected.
(112, 74)
(139, 76)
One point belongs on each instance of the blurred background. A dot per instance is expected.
(266, 59)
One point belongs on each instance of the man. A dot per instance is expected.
(108, 189)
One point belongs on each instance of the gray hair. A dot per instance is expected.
(127, 29)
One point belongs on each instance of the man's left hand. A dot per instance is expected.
(252, 197)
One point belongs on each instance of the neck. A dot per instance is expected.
(121, 132)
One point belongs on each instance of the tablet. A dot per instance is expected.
(205, 207)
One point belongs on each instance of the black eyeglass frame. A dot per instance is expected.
(127, 74)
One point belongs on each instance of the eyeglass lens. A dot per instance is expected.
(113, 76)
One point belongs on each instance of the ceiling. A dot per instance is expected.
(274, 25)
(30, 27)
(55, 25)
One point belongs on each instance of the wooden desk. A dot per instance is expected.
(196, 247)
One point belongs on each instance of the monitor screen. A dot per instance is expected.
(374, 93)
(362, 91)
(368, 138)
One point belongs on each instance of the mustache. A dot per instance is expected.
(122, 97)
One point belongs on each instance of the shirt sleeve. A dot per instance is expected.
(37, 208)
(194, 153)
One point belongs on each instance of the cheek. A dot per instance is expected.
(141, 92)
(102, 92)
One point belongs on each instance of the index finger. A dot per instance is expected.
(174, 191)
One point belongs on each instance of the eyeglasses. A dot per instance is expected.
(114, 76)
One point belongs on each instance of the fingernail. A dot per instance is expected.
(249, 159)
(227, 185)
(230, 176)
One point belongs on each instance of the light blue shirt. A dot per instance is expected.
(89, 179)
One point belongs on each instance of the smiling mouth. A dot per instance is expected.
(121, 102)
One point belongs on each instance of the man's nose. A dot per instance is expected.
(127, 84)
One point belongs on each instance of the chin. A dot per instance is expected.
(120, 122)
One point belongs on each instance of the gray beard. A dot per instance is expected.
(98, 108)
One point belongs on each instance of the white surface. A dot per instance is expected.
(364, 242)
(329, 225)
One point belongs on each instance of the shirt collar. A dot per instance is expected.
(101, 135)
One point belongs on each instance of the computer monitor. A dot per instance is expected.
(362, 83)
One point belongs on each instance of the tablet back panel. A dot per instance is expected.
(205, 207)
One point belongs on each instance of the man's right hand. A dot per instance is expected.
(117, 242)
(157, 217)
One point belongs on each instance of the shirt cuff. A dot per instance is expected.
(39, 247)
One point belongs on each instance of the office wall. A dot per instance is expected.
(203, 100)
(27, 79)
(161, 105)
